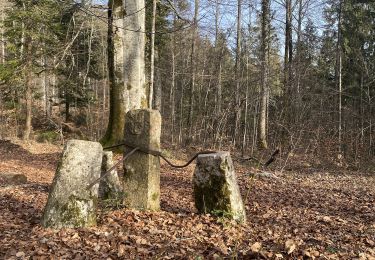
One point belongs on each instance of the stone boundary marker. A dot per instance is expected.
(142, 170)
(110, 187)
(215, 187)
(69, 203)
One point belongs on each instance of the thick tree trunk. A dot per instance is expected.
(265, 37)
(134, 55)
(152, 58)
(115, 52)
(126, 64)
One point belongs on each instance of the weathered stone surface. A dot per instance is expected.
(69, 203)
(215, 187)
(141, 170)
(110, 187)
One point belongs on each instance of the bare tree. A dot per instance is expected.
(265, 43)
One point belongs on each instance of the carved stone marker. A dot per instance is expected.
(110, 187)
(142, 170)
(215, 187)
(69, 203)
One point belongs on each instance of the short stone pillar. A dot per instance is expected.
(69, 203)
(142, 170)
(110, 187)
(215, 187)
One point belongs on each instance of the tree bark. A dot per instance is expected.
(152, 58)
(238, 73)
(134, 55)
(115, 53)
(265, 38)
(126, 64)
(192, 64)
(339, 77)
(28, 88)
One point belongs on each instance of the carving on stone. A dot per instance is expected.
(136, 123)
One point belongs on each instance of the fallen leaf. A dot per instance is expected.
(290, 246)
(279, 256)
(256, 247)
(20, 254)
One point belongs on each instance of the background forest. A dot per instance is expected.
(243, 75)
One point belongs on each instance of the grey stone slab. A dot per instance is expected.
(69, 203)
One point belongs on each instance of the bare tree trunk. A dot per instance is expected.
(134, 55)
(2, 33)
(89, 52)
(238, 73)
(288, 56)
(157, 92)
(244, 143)
(152, 47)
(218, 48)
(298, 58)
(2, 60)
(115, 53)
(172, 91)
(28, 88)
(265, 38)
(126, 65)
(192, 64)
(339, 77)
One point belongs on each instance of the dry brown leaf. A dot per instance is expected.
(290, 246)
(256, 247)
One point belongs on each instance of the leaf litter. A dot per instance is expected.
(320, 215)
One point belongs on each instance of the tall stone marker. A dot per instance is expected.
(142, 170)
(69, 203)
(215, 187)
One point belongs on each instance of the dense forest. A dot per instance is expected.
(244, 75)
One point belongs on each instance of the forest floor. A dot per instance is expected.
(301, 214)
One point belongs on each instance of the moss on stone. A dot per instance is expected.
(78, 212)
(213, 196)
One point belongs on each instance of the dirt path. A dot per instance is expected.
(320, 214)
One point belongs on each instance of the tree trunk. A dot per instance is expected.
(115, 52)
(28, 88)
(219, 50)
(192, 64)
(298, 61)
(339, 78)
(152, 58)
(134, 55)
(238, 74)
(265, 37)
(288, 56)
(126, 65)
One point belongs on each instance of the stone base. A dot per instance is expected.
(215, 187)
